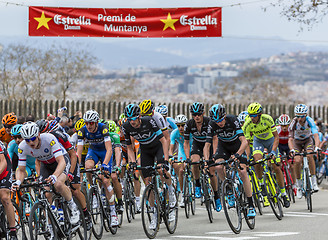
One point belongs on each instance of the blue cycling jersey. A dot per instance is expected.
(97, 139)
(177, 137)
(171, 123)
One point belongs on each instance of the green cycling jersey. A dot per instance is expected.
(263, 129)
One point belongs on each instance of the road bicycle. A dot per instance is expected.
(322, 169)
(256, 189)
(128, 193)
(287, 176)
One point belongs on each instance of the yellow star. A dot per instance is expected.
(43, 21)
(169, 22)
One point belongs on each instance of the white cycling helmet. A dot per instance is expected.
(162, 109)
(181, 119)
(29, 130)
(283, 120)
(91, 116)
(301, 109)
(241, 117)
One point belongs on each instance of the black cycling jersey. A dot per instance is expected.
(148, 134)
(229, 133)
(191, 127)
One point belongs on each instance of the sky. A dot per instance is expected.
(247, 20)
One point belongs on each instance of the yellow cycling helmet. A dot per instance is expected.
(254, 108)
(146, 107)
(79, 124)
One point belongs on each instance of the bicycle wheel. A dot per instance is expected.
(192, 196)
(39, 223)
(186, 195)
(127, 200)
(80, 230)
(21, 226)
(96, 213)
(150, 197)
(171, 222)
(308, 190)
(273, 197)
(231, 207)
(321, 172)
(249, 221)
(256, 194)
(208, 194)
(289, 188)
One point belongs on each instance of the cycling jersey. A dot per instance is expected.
(160, 121)
(262, 130)
(283, 136)
(4, 136)
(6, 173)
(49, 149)
(177, 137)
(299, 132)
(229, 133)
(191, 127)
(97, 139)
(148, 134)
(74, 139)
(170, 123)
(115, 139)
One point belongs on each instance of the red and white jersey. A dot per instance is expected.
(49, 149)
(283, 136)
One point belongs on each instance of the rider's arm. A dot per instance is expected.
(72, 156)
(37, 167)
(80, 143)
(171, 149)
(108, 146)
(118, 156)
(276, 141)
(248, 150)
(61, 165)
(206, 150)
(131, 154)
(243, 146)
(186, 147)
(165, 148)
(316, 139)
(20, 173)
(167, 137)
(3, 163)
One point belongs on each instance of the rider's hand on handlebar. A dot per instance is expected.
(317, 149)
(15, 185)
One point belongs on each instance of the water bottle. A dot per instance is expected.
(60, 216)
(103, 199)
(62, 109)
(27, 208)
(54, 210)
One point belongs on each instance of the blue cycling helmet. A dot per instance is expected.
(217, 112)
(241, 117)
(132, 110)
(16, 130)
(197, 107)
(162, 109)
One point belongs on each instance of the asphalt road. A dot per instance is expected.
(297, 223)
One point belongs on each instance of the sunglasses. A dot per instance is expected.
(220, 120)
(253, 115)
(31, 139)
(89, 123)
(8, 126)
(181, 125)
(133, 118)
(16, 137)
(300, 116)
(196, 114)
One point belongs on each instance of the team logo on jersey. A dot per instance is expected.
(105, 131)
(52, 143)
(46, 150)
(79, 133)
(20, 151)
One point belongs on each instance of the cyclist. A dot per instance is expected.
(265, 136)
(9, 120)
(115, 139)
(231, 144)
(301, 130)
(100, 151)
(152, 147)
(52, 163)
(13, 151)
(169, 122)
(177, 135)
(74, 139)
(147, 109)
(197, 127)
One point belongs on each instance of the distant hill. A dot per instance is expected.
(124, 53)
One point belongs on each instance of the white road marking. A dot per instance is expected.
(275, 234)
(217, 238)
(308, 213)
(290, 215)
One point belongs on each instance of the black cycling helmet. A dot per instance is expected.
(197, 107)
(43, 125)
(132, 110)
(217, 112)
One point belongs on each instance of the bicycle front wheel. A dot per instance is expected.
(273, 198)
(186, 195)
(231, 206)
(256, 193)
(308, 190)
(96, 213)
(208, 198)
(150, 212)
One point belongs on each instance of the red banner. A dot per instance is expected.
(99, 22)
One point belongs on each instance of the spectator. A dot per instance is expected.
(30, 117)
(21, 120)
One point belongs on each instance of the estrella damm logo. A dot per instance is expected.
(52, 143)
(105, 131)
(20, 151)
(79, 133)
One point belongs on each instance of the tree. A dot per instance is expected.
(305, 12)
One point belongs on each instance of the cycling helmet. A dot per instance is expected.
(197, 107)
(146, 107)
(283, 120)
(43, 125)
(79, 124)
(16, 130)
(132, 110)
(9, 119)
(301, 109)
(162, 109)
(53, 125)
(181, 119)
(103, 121)
(217, 112)
(242, 116)
(91, 116)
(29, 130)
(121, 116)
(112, 126)
(121, 121)
(254, 108)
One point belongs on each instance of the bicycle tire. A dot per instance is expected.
(320, 176)
(289, 185)
(192, 188)
(256, 195)
(308, 190)
(207, 198)
(232, 213)
(96, 213)
(127, 200)
(170, 226)
(273, 198)
(186, 196)
(38, 222)
(147, 210)
(19, 223)
(249, 221)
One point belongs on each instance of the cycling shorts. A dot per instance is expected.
(225, 150)
(76, 174)
(283, 149)
(48, 169)
(149, 156)
(306, 144)
(6, 181)
(198, 149)
(98, 156)
(259, 145)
